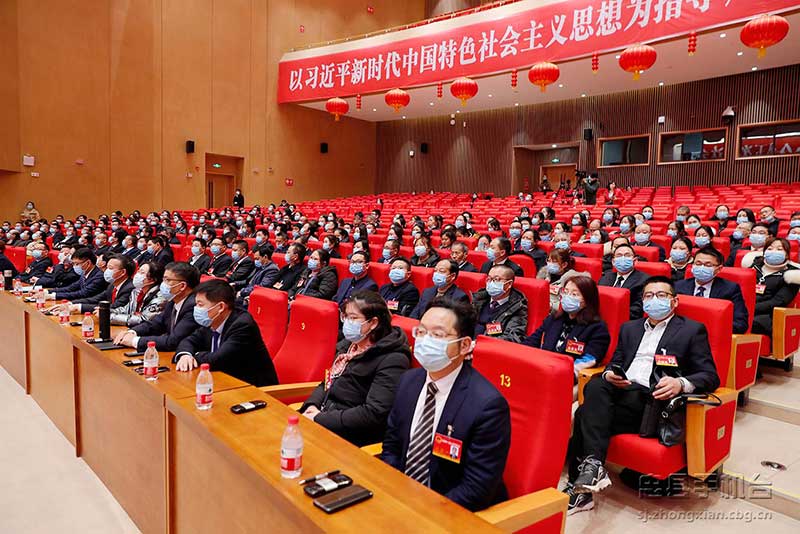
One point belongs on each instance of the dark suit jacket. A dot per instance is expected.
(84, 287)
(351, 285)
(516, 268)
(37, 269)
(240, 271)
(131, 253)
(685, 339)
(594, 336)
(406, 295)
(467, 267)
(634, 283)
(123, 297)
(160, 329)
(263, 277)
(57, 277)
(287, 277)
(429, 294)
(219, 265)
(164, 257)
(142, 257)
(202, 263)
(725, 290)
(241, 351)
(6, 265)
(99, 251)
(479, 416)
(323, 286)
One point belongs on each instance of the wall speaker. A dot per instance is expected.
(323, 148)
(587, 134)
(423, 147)
(190, 147)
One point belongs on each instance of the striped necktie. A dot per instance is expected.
(418, 459)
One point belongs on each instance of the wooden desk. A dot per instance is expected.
(225, 477)
(13, 356)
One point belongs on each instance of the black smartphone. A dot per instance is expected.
(133, 363)
(340, 499)
(132, 354)
(327, 485)
(97, 340)
(75, 323)
(618, 370)
(244, 407)
(140, 370)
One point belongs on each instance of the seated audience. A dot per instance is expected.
(642, 238)
(200, 260)
(159, 250)
(359, 268)
(680, 257)
(391, 251)
(560, 268)
(60, 275)
(319, 280)
(5, 263)
(498, 252)
(458, 253)
(627, 277)
(529, 246)
(502, 310)
(220, 261)
(39, 266)
(117, 274)
(264, 274)
(444, 285)
(777, 281)
(146, 301)
(400, 294)
(242, 267)
(424, 254)
(91, 281)
(289, 273)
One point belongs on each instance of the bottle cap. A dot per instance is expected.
(294, 419)
(64, 301)
(204, 367)
(88, 314)
(151, 344)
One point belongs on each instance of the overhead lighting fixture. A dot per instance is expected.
(617, 56)
(723, 35)
(430, 103)
(554, 146)
(458, 111)
(661, 84)
(561, 85)
(754, 68)
(583, 95)
(404, 116)
(516, 103)
(216, 165)
(739, 53)
(373, 109)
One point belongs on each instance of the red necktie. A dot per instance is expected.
(114, 294)
(139, 300)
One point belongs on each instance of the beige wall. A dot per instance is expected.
(123, 84)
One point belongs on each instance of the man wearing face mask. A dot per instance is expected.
(642, 239)
(459, 253)
(220, 262)
(117, 275)
(238, 199)
(741, 233)
(444, 285)
(497, 254)
(391, 251)
(60, 275)
(290, 273)
(129, 247)
(228, 338)
(264, 275)
(768, 218)
(706, 283)
(176, 322)
(39, 266)
(146, 301)
(400, 294)
(242, 266)
(160, 250)
(662, 356)
(502, 310)
(359, 267)
(101, 245)
(682, 213)
(90, 280)
(449, 400)
(514, 234)
(627, 277)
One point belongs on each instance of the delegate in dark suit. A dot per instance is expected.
(474, 413)
(431, 293)
(162, 330)
(725, 290)
(514, 267)
(36, 269)
(202, 262)
(322, 286)
(88, 285)
(6, 265)
(241, 351)
(594, 337)
(118, 298)
(467, 267)
(239, 272)
(58, 276)
(350, 285)
(164, 257)
(287, 277)
(263, 277)
(634, 283)
(401, 299)
(219, 265)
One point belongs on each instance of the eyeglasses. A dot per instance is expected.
(497, 279)
(420, 332)
(659, 294)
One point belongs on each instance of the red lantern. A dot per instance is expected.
(514, 75)
(464, 89)
(358, 102)
(764, 31)
(337, 106)
(692, 43)
(439, 90)
(595, 62)
(397, 98)
(637, 59)
(543, 74)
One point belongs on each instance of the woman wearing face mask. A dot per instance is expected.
(560, 268)
(608, 219)
(723, 215)
(703, 236)
(777, 281)
(355, 398)
(676, 229)
(146, 300)
(680, 258)
(529, 246)
(648, 213)
(627, 227)
(575, 328)
(330, 244)
(692, 223)
(424, 255)
(30, 213)
(579, 219)
(319, 280)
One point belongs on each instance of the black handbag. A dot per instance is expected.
(671, 426)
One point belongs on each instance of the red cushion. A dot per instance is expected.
(614, 310)
(422, 278)
(471, 282)
(379, 272)
(593, 266)
(310, 344)
(648, 253)
(407, 324)
(270, 309)
(654, 268)
(646, 455)
(717, 316)
(538, 294)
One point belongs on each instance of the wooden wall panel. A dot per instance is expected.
(450, 166)
(10, 156)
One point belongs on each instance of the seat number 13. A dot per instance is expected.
(505, 381)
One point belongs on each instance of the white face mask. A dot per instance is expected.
(431, 353)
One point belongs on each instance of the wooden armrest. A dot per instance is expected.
(584, 375)
(373, 450)
(696, 431)
(745, 349)
(288, 391)
(526, 510)
(784, 344)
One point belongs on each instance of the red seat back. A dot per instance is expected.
(379, 272)
(746, 279)
(471, 282)
(722, 244)
(538, 294)
(717, 315)
(664, 240)
(591, 265)
(16, 255)
(476, 258)
(615, 305)
(648, 253)
(590, 250)
(342, 268)
(539, 430)
(54, 256)
(310, 344)
(270, 309)
(345, 249)
(422, 277)
(407, 324)
(181, 253)
(654, 268)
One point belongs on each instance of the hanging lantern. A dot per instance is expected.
(397, 98)
(337, 107)
(358, 102)
(595, 62)
(764, 31)
(514, 76)
(464, 89)
(439, 90)
(637, 59)
(543, 74)
(692, 43)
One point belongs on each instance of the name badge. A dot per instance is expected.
(328, 379)
(300, 283)
(278, 284)
(392, 305)
(575, 347)
(554, 289)
(447, 448)
(760, 288)
(493, 329)
(49, 269)
(666, 360)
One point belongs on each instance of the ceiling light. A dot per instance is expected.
(754, 68)
(583, 95)
(617, 56)
(723, 35)
(373, 109)
(661, 84)
(516, 103)
(430, 103)
(561, 85)
(739, 53)
(458, 111)
(555, 146)
(404, 116)
(490, 96)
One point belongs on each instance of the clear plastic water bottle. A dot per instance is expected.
(2, 281)
(151, 361)
(17, 289)
(63, 315)
(40, 298)
(87, 326)
(204, 388)
(292, 449)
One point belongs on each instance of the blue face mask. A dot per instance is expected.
(693, 226)
(398, 275)
(36, 254)
(494, 288)
(624, 227)
(439, 279)
(259, 264)
(515, 232)
(570, 304)
(794, 223)
(431, 353)
(526, 244)
(151, 249)
(738, 235)
(216, 249)
(78, 270)
(387, 254)
(420, 251)
(108, 275)
(790, 237)
(722, 215)
(490, 255)
(235, 255)
(259, 239)
(595, 239)
(562, 245)
(657, 308)
(356, 269)
(672, 233)
(623, 264)
(356, 235)
(326, 246)
(758, 239)
(702, 273)
(680, 218)
(607, 217)
(702, 241)
(678, 255)
(553, 268)
(165, 292)
(195, 251)
(202, 317)
(313, 264)
(576, 221)
(287, 257)
(647, 215)
(352, 331)
(546, 238)
(642, 238)
(774, 257)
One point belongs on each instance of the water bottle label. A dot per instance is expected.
(291, 464)
(150, 370)
(63, 319)
(203, 398)
(87, 333)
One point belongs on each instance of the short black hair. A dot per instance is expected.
(186, 272)
(463, 311)
(660, 280)
(242, 243)
(84, 253)
(402, 259)
(217, 291)
(711, 251)
(203, 242)
(453, 264)
(120, 235)
(266, 250)
(155, 271)
(508, 270)
(364, 253)
(126, 262)
(505, 244)
(299, 249)
(324, 256)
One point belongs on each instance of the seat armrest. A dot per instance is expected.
(584, 375)
(785, 330)
(527, 510)
(708, 434)
(374, 449)
(745, 349)
(289, 391)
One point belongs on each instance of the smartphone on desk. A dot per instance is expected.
(341, 499)
(75, 323)
(140, 370)
(327, 485)
(133, 354)
(618, 370)
(133, 363)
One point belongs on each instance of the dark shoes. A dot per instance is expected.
(592, 476)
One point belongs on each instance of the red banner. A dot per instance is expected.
(500, 39)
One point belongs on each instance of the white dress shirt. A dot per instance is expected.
(707, 292)
(445, 385)
(135, 340)
(641, 367)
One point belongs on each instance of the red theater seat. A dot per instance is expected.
(654, 268)
(471, 282)
(648, 253)
(407, 324)
(379, 272)
(590, 250)
(342, 268)
(591, 265)
(422, 278)
(270, 309)
(538, 295)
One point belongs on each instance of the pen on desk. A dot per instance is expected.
(319, 477)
